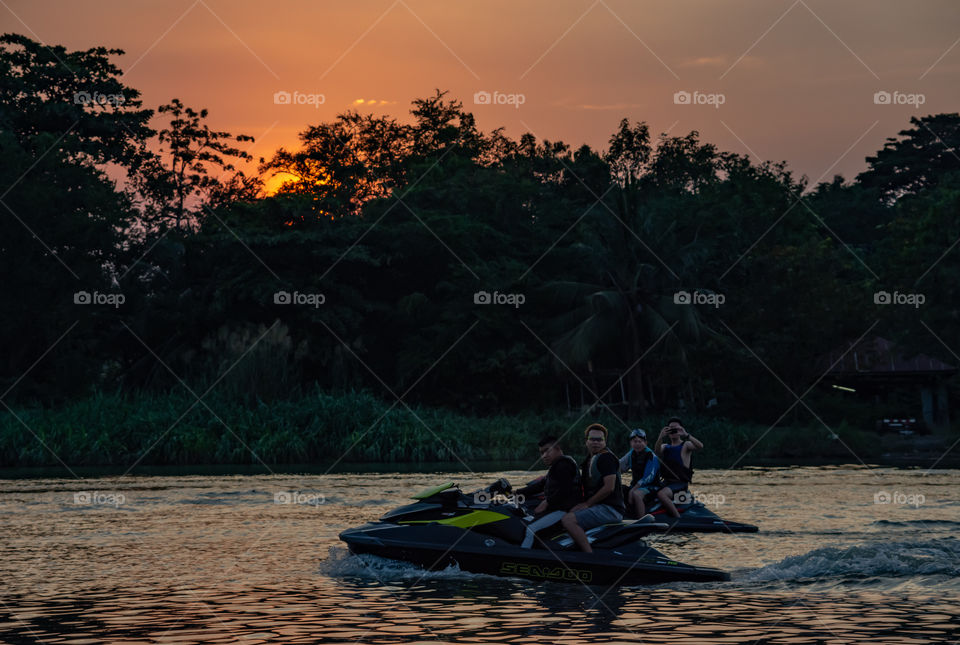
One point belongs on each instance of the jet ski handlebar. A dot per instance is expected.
(499, 493)
(501, 486)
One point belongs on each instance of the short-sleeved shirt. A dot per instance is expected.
(562, 489)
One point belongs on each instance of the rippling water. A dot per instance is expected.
(844, 555)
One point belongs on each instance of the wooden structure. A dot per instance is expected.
(875, 365)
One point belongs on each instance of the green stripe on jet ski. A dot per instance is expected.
(433, 491)
(476, 518)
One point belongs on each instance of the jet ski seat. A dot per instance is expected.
(613, 534)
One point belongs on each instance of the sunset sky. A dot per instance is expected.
(796, 79)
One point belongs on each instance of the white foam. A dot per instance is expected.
(866, 563)
(342, 564)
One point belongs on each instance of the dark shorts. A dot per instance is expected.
(647, 491)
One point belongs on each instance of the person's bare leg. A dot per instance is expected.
(569, 522)
(638, 503)
(665, 495)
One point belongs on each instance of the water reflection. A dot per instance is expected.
(473, 611)
(217, 560)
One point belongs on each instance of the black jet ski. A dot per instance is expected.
(697, 518)
(481, 532)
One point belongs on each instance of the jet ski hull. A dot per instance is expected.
(696, 518)
(436, 546)
(691, 525)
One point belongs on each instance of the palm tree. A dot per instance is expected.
(635, 265)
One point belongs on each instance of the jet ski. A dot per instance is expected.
(696, 518)
(481, 532)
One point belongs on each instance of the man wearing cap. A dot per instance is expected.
(645, 466)
(603, 499)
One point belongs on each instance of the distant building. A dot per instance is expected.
(875, 367)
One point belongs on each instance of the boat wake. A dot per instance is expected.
(342, 564)
(885, 565)
(933, 524)
(881, 566)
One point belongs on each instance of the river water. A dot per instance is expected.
(844, 554)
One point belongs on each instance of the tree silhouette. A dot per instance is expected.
(919, 158)
(63, 117)
(177, 182)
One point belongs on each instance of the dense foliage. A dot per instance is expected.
(140, 262)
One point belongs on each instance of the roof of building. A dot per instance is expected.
(879, 356)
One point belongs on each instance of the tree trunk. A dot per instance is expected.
(637, 408)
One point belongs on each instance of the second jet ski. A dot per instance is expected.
(697, 518)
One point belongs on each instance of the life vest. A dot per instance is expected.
(638, 463)
(593, 481)
(564, 493)
(672, 468)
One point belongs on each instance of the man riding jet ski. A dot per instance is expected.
(674, 503)
(483, 532)
(560, 489)
(676, 457)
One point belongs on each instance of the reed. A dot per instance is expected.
(110, 429)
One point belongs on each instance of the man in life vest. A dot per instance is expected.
(645, 467)
(603, 499)
(675, 468)
(560, 488)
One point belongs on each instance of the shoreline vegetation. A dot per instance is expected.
(520, 275)
(153, 429)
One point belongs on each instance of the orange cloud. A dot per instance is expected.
(372, 102)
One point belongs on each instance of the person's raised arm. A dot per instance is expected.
(691, 443)
(658, 448)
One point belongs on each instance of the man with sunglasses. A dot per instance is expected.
(603, 499)
(645, 467)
